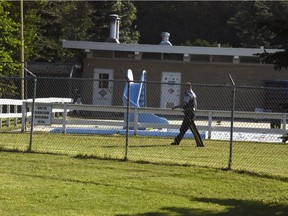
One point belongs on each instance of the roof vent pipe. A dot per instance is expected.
(165, 39)
(117, 28)
(114, 28)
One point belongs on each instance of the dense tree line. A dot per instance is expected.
(186, 21)
(47, 23)
(234, 23)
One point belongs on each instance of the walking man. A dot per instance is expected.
(189, 106)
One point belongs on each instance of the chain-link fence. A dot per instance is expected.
(240, 125)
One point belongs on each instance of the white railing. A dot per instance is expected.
(11, 104)
(206, 119)
(17, 107)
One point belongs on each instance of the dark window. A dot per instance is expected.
(103, 80)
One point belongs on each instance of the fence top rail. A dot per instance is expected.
(19, 102)
(164, 111)
(51, 100)
(10, 101)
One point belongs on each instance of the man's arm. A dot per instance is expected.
(178, 106)
(175, 107)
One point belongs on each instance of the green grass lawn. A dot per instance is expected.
(47, 184)
(261, 158)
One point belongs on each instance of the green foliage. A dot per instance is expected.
(61, 20)
(31, 20)
(67, 20)
(203, 43)
(10, 39)
(278, 26)
(244, 22)
(9, 52)
(9, 42)
(7, 88)
(198, 23)
(127, 12)
(186, 20)
(279, 59)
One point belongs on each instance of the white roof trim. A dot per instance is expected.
(164, 48)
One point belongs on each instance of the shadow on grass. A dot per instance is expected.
(234, 207)
(151, 146)
(88, 156)
(247, 207)
(136, 146)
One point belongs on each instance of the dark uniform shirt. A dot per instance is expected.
(190, 103)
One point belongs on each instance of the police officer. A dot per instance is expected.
(189, 106)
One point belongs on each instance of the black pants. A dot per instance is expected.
(188, 123)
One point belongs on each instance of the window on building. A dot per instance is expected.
(151, 56)
(125, 55)
(103, 80)
(200, 58)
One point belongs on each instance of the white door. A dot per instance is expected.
(102, 86)
(170, 91)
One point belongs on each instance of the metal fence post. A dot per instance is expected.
(284, 123)
(64, 118)
(32, 116)
(135, 127)
(232, 123)
(127, 120)
(33, 110)
(24, 116)
(209, 125)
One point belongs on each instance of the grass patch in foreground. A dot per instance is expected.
(254, 157)
(43, 184)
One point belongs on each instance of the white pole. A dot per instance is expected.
(22, 51)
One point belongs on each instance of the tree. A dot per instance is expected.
(31, 23)
(127, 11)
(8, 50)
(199, 42)
(79, 20)
(278, 25)
(9, 42)
(249, 34)
(61, 20)
(10, 39)
(186, 21)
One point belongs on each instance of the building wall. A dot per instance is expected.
(196, 73)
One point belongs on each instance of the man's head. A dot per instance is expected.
(187, 86)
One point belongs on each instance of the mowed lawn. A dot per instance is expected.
(254, 157)
(49, 184)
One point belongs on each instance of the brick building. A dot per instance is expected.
(166, 63)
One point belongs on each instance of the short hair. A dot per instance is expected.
(188, 84)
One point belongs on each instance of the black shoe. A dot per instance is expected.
(200, 145)
(174, 143)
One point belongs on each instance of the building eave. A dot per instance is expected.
(148, 48)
